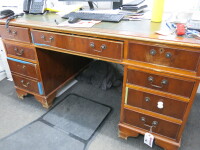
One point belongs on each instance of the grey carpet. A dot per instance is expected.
(78, 116)
(39, 136)
(15, 113)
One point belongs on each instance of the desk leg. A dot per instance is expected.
(127, 131)
(166, 145)
(46, 101)
(21, 93)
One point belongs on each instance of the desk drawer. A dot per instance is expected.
(161, 83)
(15, 33)
(24, 51)
(161, 127)
(155, 103)
(27, 84)
(170, 57)
(105, 48)
(23, 68)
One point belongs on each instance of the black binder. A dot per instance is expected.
(135, 5)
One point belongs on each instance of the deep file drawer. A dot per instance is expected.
(155, 103)
(22, 67)
(159, 126)
(28, 84)
(21, 51)
(162, 83)
(15, 33)
(95, 46)
(165, 56)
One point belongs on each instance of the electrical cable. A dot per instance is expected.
(11, 18)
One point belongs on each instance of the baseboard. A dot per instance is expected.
(198, 90)
(2, 75)
(66, 87)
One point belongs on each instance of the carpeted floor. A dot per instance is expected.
(15, 114)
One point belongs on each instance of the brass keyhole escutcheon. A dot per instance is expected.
(161, 50)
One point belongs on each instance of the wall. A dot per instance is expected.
(170, 5)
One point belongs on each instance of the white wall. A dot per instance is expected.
(170, 5)
(4, 63)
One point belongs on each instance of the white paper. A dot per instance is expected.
(82, 23)
(148, 139)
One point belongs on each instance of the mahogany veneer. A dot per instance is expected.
(161, 74)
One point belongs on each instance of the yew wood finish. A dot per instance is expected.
(26, 69)
(54, 73)
(15, 33)
(171, 107)
(163, 68)
(20, 51)
(166, 56)
(27, 84)
(106, 48)
(159, 126)
(156, 82)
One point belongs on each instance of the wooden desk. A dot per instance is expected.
(161, 73)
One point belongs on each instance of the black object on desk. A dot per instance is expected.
(6, 13)
(136, 5)
(95, 16)
(73, 20)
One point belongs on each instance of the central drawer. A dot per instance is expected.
(161, 83)
(95, 46)
(160, 127)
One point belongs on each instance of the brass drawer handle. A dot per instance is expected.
(163, 82)
(23, 67)
(92, 45)
(103, 47)
(152, 52)
(25, 84)
(10, 32)
(168, 55)
(14, 33)
(153, 124)
(19, 52)
(147, 99)
(51, 38)
(160, 103)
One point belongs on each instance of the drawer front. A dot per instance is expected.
(27, 84)
(23, 67)
(161, 83)
(15, 33)
(20, 51)
(164, 56)
(106, 48)
(158, 104)
(160, 127)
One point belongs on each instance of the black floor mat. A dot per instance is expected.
(78, 116)
(67, 126)
(39, 136)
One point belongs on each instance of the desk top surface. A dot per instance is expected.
(136, 30)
